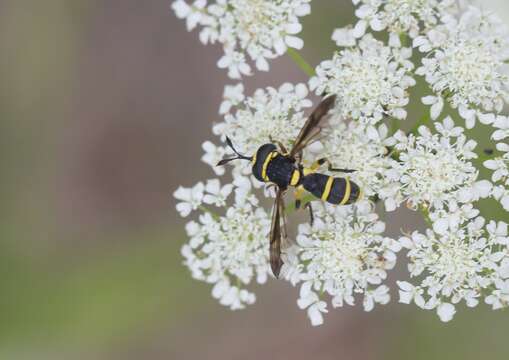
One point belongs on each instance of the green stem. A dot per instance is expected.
(403, 38)
(425, 214)
(423, 120)
(393, 125)
(301, 63)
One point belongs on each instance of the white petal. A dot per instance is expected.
(405, 297)
(446, 311)
(405, 286)
(315, 315)
(483, 188)
(486, 118)
(429, 100)
(441, 226)
(262, 64)
(293, 28)
(376, 24)
(280, 46)
(360, 29)
(368, 303)
(294, 42)
(436, 109)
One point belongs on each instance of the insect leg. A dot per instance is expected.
(270, 189)
(299, 190)
(280, 144)
(314, 166)
(322, 161)
(312, 217)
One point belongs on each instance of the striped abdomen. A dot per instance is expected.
(337, 191)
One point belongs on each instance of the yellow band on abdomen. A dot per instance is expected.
(346, 197)
(327, 189)
(266, 163)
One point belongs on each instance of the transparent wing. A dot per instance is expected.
(277, 233)
(313, 125)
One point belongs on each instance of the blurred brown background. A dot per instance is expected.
(104, 106)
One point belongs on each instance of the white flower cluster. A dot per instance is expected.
(228, 251)
(500, 164)
(341, 255)
(400, 16)
(254, 30)
(276, 114)
(369, 79)
(465, 64)
(433, 169)
(464, 261)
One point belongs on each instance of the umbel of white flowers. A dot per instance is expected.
(461, 53)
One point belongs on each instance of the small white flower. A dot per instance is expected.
(191, 198)
(450, 218)
(344, 37)
(370, 80)
(213, 154)
(437, 105)
(409, 293)
(235, 62)
(499, 298)
(501, 194)
(233, 95)
(380, 295)
(215, 194)
(502, 124)
(498, 232)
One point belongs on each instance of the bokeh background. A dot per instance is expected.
(103, 108)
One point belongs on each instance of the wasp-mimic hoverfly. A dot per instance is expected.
(284, 168)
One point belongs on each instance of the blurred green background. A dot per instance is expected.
(104, 106)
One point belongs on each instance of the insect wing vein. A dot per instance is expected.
(276, 232)
(311, 128)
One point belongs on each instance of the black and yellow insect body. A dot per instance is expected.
(284, 169)
(334, 190)
(269, 165)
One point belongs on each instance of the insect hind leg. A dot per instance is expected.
(322, 161)
(299, 191)
(311, 215)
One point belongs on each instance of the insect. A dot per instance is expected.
(282, 168)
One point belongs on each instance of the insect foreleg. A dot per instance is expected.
(280, 144)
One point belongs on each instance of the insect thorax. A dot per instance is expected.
(271, 166)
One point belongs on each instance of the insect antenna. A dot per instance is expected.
(239, 155)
